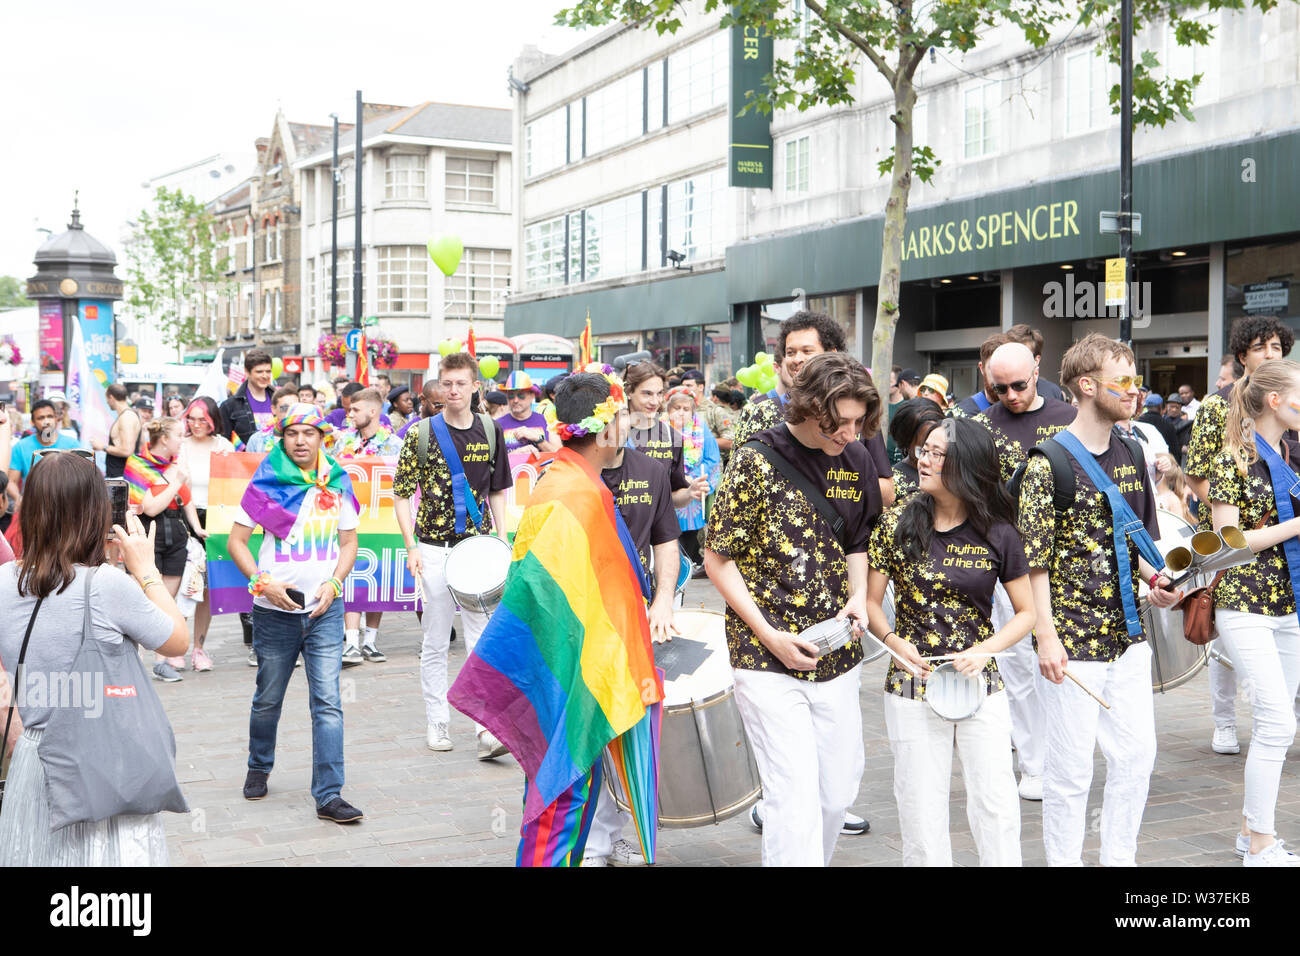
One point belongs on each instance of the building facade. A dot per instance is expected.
(1007, 231)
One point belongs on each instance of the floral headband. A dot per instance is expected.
(679, 391)
(600, 416)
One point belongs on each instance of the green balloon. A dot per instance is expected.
(489, 365)
(768, 382)
(447, 346)
(277, 368)
(748, 376)
(445, 251)
(762, 358)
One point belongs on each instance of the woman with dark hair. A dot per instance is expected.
(945, 549)
(160, 492)
(174, 406)
(203, 439)
(908, 430)
(65, 518)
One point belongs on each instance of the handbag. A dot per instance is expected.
(13, 692)
(1197, 605)
(119, 758)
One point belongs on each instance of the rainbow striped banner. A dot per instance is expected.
(379, 581)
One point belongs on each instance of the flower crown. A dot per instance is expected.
(600, 416)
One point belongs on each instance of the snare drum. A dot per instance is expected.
(707, 771)
(953, 695)
(475, 572)
(1174, 659)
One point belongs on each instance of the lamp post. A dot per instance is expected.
(1126, 165)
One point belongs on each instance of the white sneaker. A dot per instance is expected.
(595, 861)
(854, 825)
(1272, 855)
(352, 656)
(252, 657)
(1031, 787)
(1225, 740)
(437, 738)
(489, 747)
(1243, 843)
(625, 854)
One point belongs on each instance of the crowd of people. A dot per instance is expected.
(1008, 536)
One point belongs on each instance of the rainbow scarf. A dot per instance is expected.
(693, 446)
(565, 664)
(275, 495)
(142, 472)
(350, 444)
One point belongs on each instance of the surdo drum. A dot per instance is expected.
(476, 570)
(1174, 659)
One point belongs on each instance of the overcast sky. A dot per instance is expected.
(100, 97)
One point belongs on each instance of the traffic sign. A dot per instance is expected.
(353, 340)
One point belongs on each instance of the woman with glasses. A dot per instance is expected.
(908, 429)
(945, 550)
(203, 439)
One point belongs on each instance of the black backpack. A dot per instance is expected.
(1063, 480)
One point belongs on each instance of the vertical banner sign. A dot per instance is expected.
(96, 318)
(1116, 282)
(51, 335)
(749, 158)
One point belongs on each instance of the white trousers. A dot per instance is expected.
(1266, 653)
(1018, 666)
(922, 743)
(606, 826)
(1126, 733)
(807, 740)
(1223, 689)
(439, 610)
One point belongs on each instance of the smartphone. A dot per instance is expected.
(118, 496)
(296, 596)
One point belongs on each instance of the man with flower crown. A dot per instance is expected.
(304, 503)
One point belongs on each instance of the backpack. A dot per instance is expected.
(1063, 480)
(424, 427)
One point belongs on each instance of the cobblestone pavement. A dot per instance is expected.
(449, 808)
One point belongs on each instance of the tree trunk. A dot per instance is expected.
(891, 253)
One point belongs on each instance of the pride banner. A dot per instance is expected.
(379, 580)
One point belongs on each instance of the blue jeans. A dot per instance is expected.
(278, 638)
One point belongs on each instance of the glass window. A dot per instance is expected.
(698, 76)
(983, 104)
(614, 113)
(686, 347)
(717, 353)
(574, 265)
(1087, 94)
(844, 310)
(796, 165)
(312, 290)
(476, 289)
(655, 95)
(544, 254)
(404, 176)
(613, 235)
(345, 186)
(544, 140)
(698, 217)
(403, 279)
(471, 180)
(344, 299)
(1182, 62)
(654, 226)
(575, 131)
(659, 344)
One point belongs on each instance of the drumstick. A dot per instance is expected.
(953, 657)
(1084, 688)
(906, 666)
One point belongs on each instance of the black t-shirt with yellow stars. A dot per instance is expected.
(769, 412)
(944, 604)
(1077, 549)
(1205, 445)
(907, 481)
(795, 569)
(1014, 434)
(1264, 585)
(436, 518)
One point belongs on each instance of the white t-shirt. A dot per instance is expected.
(198, 462)
(307, 558)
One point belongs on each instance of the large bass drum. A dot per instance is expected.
(1174, 659)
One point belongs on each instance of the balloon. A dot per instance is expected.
(277, 368)
(447, 346)
(762, 358)
(489, 365)
(768, 382)
(445, 251)
(748, 376)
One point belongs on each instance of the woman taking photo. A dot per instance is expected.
(945, 550)
(908, 430)
(159, 489)
(64, 521)
(700, 459)
(203, 439)
(1252, 487)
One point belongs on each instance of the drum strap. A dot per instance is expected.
(1124, 525)
(792, 475)
(1286, 483)
(462, 494)
(982, 401)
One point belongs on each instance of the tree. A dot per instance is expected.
(173, 262)
(11, 294)
(835, 36)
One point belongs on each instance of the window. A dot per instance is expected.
(612, 235)
(615, 113)
(277, 317)
(544, 254)
(698, 76)
(248, 317)
(544, 143)
(982, 106)
(313, 280)
(403, 279)
(804, 14)
(1087, 93)
(345, 186)
(575, 130)
(404, 176)
(699, 215)
(309, 196)
(796, 165)
(920, 125)
(344, 299)
(574, 237)
(476, 289)
(654, 88)
(471, 180)
(1183, 62)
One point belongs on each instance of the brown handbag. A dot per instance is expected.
(1198, 605)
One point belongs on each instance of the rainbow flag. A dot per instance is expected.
(565, 664)
(584, 344)
(363, 361)
(142, 472)
(470, 345)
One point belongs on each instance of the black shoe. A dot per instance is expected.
(340, 811)
(255, 785)
(453, 636)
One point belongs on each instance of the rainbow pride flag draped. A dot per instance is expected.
(142, 472)
(565, 664)
(279, 487)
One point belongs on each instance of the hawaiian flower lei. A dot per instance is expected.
(600, 416)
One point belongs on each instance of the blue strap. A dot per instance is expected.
(982, 401)
(1286, 483)
(461, 494)
(633, 556)
(1124, 525)
(778, 397)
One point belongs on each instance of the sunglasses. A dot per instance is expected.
(1124, 382)
(1018, 386)
(79, 452)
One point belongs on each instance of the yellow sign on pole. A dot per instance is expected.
(127, 354)
(1116, 282)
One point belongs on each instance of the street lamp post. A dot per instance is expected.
(1126, 165)
(334, 232)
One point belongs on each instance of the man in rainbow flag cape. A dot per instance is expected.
(304, 503)
(564, 670)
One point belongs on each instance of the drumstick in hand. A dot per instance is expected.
(1084, 688)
